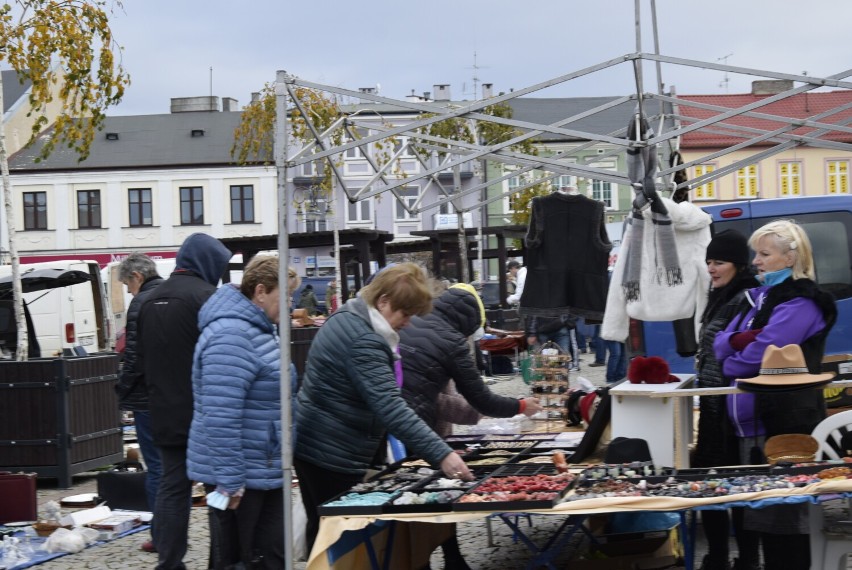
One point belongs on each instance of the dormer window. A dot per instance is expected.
(112, 136)
(197, 133)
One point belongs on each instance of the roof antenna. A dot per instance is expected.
(211, 81)
(725, 79)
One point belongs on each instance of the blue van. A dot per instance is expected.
(828, 223)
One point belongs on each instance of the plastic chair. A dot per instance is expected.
(829, 545)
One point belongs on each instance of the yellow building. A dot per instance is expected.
(813, 168)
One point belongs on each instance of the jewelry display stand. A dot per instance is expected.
(549, 383)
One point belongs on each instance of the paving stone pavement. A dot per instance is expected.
(505, 553)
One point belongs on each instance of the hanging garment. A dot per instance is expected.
(566, 258)
(658, 301)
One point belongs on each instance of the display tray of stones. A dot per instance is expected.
(433, 495)
(369, 497)
(516, 487)
(644, 480)
(490, 458)
(839, 467)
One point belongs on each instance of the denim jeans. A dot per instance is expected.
(616, 364)
(566, 339)
(150, 454)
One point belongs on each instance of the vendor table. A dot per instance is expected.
(653, 413)
(661, 414)
(331, 528)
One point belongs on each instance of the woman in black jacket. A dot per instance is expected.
(435, 350)
(728, 264)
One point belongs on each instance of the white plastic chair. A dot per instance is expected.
(829, 545)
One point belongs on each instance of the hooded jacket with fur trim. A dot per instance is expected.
(434, 350)
(657, 301)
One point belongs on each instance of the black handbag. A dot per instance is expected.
(122, 486)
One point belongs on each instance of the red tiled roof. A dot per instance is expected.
(801, 106)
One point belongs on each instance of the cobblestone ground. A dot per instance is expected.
(503, 553)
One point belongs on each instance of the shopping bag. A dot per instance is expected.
(122, 486)
(300, 539)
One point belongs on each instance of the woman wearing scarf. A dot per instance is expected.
(350, 397)
(728, 266)
(788, 308)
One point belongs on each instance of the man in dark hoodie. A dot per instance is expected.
(167, 333)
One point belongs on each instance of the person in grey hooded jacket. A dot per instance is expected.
(167, 332)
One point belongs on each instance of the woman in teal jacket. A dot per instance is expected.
(350, 398)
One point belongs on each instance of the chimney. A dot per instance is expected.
(413, 97)
(427, 95)
(487, 90)
(255, 97)
(770, 87)
(442, 92)
(368, 91)
(194, 104)
(229, 105)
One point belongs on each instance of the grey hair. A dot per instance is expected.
(137, 262)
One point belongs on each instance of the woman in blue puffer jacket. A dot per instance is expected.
(235, 436)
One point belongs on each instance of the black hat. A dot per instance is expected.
(729, 245)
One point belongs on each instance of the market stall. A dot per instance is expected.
(524, 483)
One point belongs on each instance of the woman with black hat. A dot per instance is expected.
(730, 273)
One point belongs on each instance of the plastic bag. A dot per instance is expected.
(300, 524)
(74, 540)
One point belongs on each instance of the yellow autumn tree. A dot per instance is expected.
(66, 50)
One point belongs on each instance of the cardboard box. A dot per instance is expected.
(841, 365)
(629, 550)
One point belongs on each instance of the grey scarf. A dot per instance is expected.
(641, 169)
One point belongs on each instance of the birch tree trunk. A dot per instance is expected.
(17, 294)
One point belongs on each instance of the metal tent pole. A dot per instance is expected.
(282, 168)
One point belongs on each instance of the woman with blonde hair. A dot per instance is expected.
(787, 308)
(350, 398)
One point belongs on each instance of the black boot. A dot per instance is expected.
(453, 559)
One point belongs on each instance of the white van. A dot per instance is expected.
(118, 298)
(67, 317)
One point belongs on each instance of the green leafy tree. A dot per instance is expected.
(67, 51)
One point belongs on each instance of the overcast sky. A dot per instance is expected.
(170, 46)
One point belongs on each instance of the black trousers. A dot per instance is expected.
(319, 485)
(252, 534)
(174, 499)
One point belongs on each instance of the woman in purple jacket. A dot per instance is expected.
(788, 308)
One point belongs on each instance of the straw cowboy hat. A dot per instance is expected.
(783, 369)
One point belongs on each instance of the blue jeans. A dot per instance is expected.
(567, 341)
(150, 454)
(616, 364)
(599, 345)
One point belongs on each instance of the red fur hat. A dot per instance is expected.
(650, 370)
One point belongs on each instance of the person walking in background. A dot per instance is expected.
(232, 447)
(728, 264)
(308, 300)
(139, 274)
(512, 268)
(350, 398)
(167, 333)
(787, 308)
(331, 296)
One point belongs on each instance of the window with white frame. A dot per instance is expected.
(360, 212)
(747, 182)
(562, 181)
(513, 184)
(790, 174)
(402, 143)
(357, 153)
(602, 192)
(706, 191)
(408, 195)
(838, 176)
